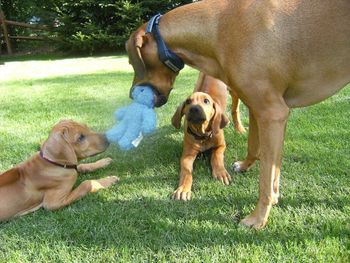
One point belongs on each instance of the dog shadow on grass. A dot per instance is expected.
(138, 212)
(163, 224)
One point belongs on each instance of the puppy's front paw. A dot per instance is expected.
(104, 162)
(222, 175)
(182, 193)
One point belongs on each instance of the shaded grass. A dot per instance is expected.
(135, 221)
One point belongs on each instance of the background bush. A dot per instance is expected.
(88, 26)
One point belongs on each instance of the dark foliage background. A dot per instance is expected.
(86, 26)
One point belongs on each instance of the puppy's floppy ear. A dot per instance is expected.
(219, 120)
(133, 47)
(57, 147)
(176, 119)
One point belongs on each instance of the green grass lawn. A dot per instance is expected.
(135, 220)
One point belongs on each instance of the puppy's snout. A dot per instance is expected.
(194, 109)
(105, 140)
(196, 114)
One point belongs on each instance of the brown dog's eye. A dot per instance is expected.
(81, 138)
(206, 101)
(188, 101)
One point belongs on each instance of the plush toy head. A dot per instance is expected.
(143, 95)
(135, 120)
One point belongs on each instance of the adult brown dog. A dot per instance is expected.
(275, 54)
(205, 118)
(47, 178)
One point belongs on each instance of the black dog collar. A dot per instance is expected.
(168, 57)
(65, 166)
(197, 137)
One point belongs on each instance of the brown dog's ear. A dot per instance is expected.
(58, 148)
(176, 119)
(219, 120)
(133, 47)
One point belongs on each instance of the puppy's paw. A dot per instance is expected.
(104, 162)
(181, 193)
(222, 175)
(108, 181)
(103, 183)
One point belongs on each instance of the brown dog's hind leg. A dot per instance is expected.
(276, 183)
(90, 167)
(57, 198)
(217, 164)
(236, 117)
(253, 146)
(271, 127)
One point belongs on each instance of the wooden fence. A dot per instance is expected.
(4, 26)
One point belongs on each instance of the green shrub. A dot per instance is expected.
(89, 26)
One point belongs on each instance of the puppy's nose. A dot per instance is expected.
(195, 109)
(196, 114)
(106, 142)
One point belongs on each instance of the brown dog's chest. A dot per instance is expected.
(204, 144)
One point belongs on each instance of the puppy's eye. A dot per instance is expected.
(206, 101)
(81, 138)
(188, 101)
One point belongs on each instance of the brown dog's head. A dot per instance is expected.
(202, 113)
(143, 56)
(72, 141)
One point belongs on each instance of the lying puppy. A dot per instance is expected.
(205, 119)
(47, 178)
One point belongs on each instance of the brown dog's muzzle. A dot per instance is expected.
(196, 115)
(159, 99)
(106, 142)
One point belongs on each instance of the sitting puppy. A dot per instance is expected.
(204, 121)
(47, 178)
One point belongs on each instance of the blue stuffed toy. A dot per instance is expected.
(135, 120)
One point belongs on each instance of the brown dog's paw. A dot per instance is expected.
(240, 128)
(182, 194)
(103, 183)
(223, 176)
(108, 181)
(104, 162)
(253, 221)
(240, 166)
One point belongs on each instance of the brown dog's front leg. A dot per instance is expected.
(90, 167)
(253, 146)
(183, 192)
(55, 199)
(271, 126)
(217, 164)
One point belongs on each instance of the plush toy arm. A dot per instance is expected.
(120, 113)
(116, 132)
(149, 121)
